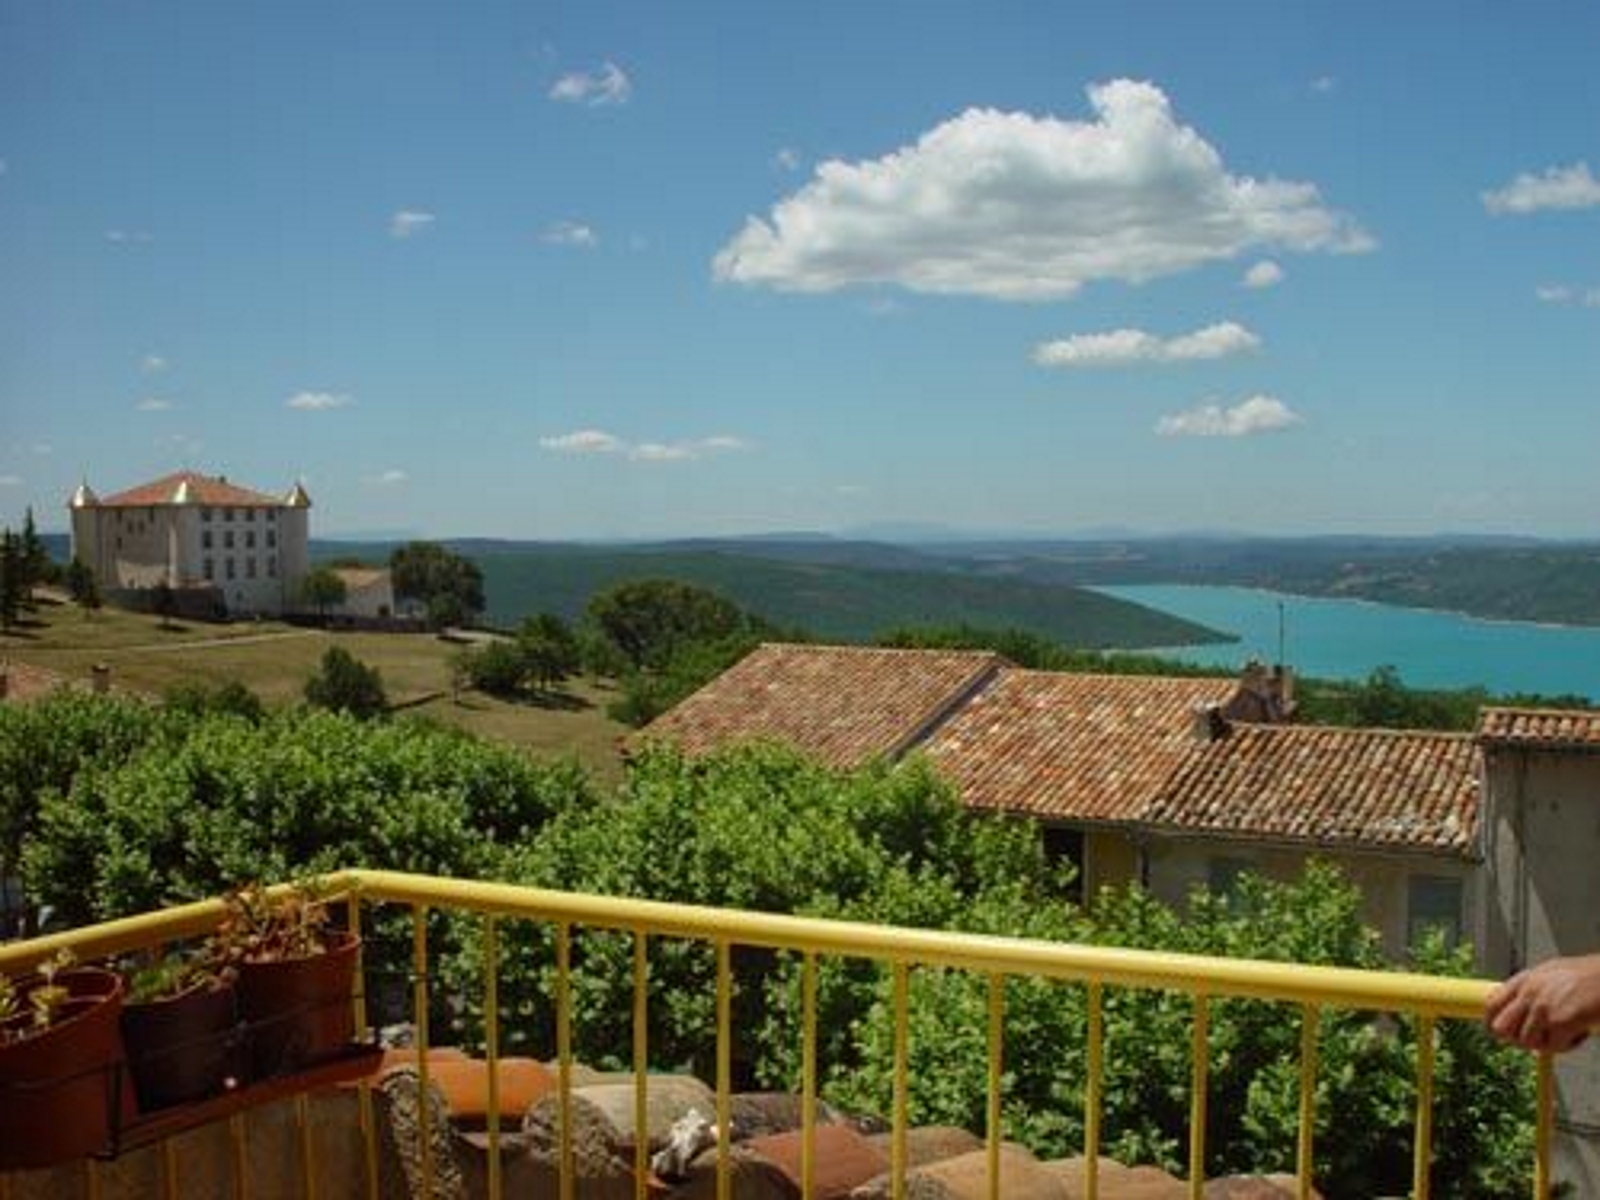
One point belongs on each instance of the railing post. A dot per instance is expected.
(1310, 1019)
(997, 1002)
(641, 1064)
(808, 1075)
(1200, 1053)
(1092, 1093)
(419, 1017)
(724, 1067)
(358, 1012)
(1422, 1165)
(564, 1053)
(1544, 1119)
(902, 1086)
(491, 1045)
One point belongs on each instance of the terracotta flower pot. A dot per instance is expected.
(298, 1010)
(184, 1047)
(60, 1087)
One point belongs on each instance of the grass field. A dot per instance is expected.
(274, 660)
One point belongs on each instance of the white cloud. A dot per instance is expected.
(153, 404)
(390, 478)
(787, 158)
(10, 481)
(1563, 293)
(596, 441)
(608, 85)
(584, 441)
(152, 363)
(1258, 414)
(1017, 207)
(1557, 187)
(129, 237)
(405, 223)
(1126, 347)
(319, 401)
(1323, 84)
(1263, 274)
(570, 233)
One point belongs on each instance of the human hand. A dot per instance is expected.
(1548, 1007)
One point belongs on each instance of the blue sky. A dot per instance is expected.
(638, 270)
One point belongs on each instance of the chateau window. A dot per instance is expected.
(230, 568)
(250, 568)
(227, 540)
(250, 515)
(205, 514)
(272, 568)
(227, 514)
(272, 515)
(1434, 902)
(211, 568)
(272, 538)
(250, 539)
(205, 540)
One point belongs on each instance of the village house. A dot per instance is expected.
(220, 547)
(1491, 838)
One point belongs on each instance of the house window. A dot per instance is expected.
(205, 514)
(227, 514)
(205, 540)
(272, 515)
(1433, 902)
(211, 569)
(272, 538)
(230, 568)
(250, 515)
(250, 539)
(250, 568)
(227, 540)
(1222, 875)
(272, 567)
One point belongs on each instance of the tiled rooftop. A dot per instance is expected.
(843, 705)
(1549, 728)
(196, 489)
(1072, 746)
(1328, 785)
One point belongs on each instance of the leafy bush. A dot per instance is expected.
(343, 683)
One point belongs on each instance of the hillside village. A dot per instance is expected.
(1165, 782)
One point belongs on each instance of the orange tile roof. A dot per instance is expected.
(1073, 747)
(843, 705)
(1545, 728)
(1332, 786)
(202, 489)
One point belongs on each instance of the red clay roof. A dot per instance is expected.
(1366, 787)
(202, 489)
(1545, 728)
(843, 705)
(1072, 746)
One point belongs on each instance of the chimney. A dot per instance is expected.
(1207, 723)
(100, 678)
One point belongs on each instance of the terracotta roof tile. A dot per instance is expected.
(1363, 787)
(1549, 728)
(1072, 746)
(201, 489)
(843, 705)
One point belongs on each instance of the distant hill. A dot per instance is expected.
(840, 600)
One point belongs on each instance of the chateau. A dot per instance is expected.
(221, 547)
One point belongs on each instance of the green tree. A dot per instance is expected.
(13, 587)
(649, 620)
(343, 683)
(549, 649)
(198, 700)
(82, 586)
(35, 559)
(498, 668)
(323, 588)
(447, 584)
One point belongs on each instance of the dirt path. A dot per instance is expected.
(207, 643)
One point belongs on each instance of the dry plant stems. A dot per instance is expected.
(261, 926)
(44, 1000)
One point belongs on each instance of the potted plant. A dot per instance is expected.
(181, 1029)
(61, 1062)
(296, 975)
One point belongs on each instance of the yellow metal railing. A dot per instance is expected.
(1314, 989)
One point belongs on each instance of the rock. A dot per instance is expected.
(1256, 1187)
(929, 1143)
(842, 1159)
(966, 1177)
(1117, 1182)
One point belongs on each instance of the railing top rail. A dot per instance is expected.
(1290, 982)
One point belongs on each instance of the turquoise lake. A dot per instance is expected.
(1347, 639)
